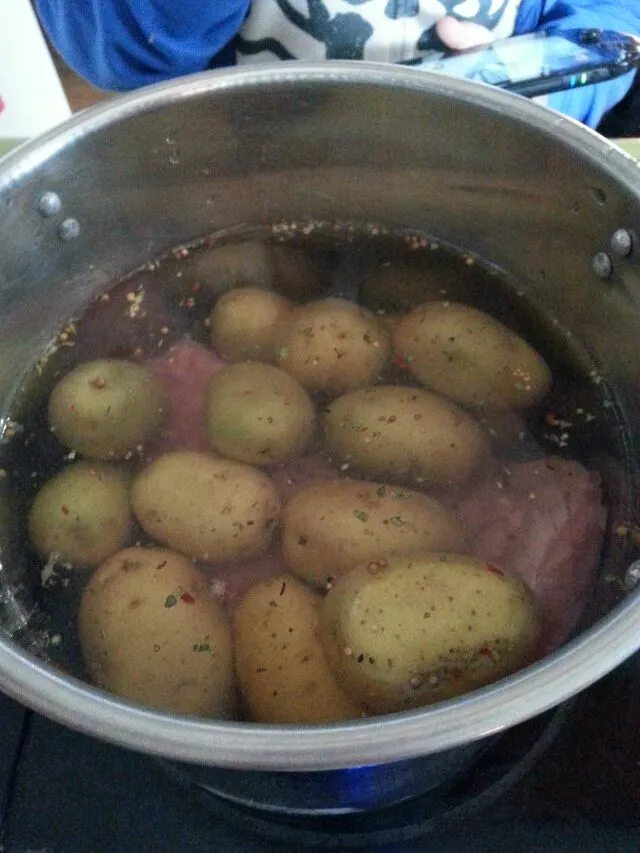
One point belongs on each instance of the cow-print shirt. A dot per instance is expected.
(379, 30)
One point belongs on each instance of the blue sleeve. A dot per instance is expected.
(589, 103)
(123, 44)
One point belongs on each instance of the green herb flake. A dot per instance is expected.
(381, 491)
(283, 353)
(201, 647)
(170, 601)
(397, 520)
(361, 516)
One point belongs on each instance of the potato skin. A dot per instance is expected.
(332, 345)
(208, 508)
(328, 528)
(281, 667)
(244, 323)
(105, 409)
(469, 357)
(82, 514)
(426, 628)
(257, 414)
(150, 631)
(404, 434)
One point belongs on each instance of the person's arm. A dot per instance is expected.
(123, 44)
(589, 103)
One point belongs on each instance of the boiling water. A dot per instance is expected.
(170, 301)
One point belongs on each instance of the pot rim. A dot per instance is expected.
(525, 694)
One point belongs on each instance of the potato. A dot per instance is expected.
(470, 357)
(425, 628)
(257, 414)
(207, 508)
(397, 286)
(328, 528)
(244, 323)
(404, 435)
(151, 631)
(106, 409)
(332, 345)
(286, 269)
(82, 515)
(280, 665)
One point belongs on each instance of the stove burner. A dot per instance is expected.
(497, 773)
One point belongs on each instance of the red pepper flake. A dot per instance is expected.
(398, 361)
(551, 420)
(494, 570)
(188, 599)
(486, 651)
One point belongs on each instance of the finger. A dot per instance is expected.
(461, 35)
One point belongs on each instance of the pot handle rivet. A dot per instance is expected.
(601, 265)
(49, 204)
(69, 229)
(621, 242)
(632, 576)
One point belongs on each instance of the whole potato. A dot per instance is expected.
(328, 528)
(244, 323)
(398, 285)
(208, 508)
(151, 631)
(280, 664)
(425, 628)
(470, 357)
(81, 514)
(258, 414)
(106, 409)
(404, 434)
(332, 345)
(286, 269)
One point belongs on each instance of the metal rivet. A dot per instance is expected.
(632, 576)
(49, 204)
(69, 229)
(621, 242)
(601, 265)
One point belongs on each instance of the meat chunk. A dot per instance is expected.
(544, 520)
(184, 371)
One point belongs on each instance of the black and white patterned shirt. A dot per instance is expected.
(378, 30)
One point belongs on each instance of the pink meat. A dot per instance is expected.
(230, 581)
(544, 521)
(184, 371)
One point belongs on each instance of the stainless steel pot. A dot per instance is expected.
(488, 172)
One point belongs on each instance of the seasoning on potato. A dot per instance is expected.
(208, 508)
(107, 409)
(151, 631)
(258, 414)
(469, 357)
(414, 631)
(328, 528)
(403, 434)
(332, 345)
(81, 515)
(244, 323)
(281, 667)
